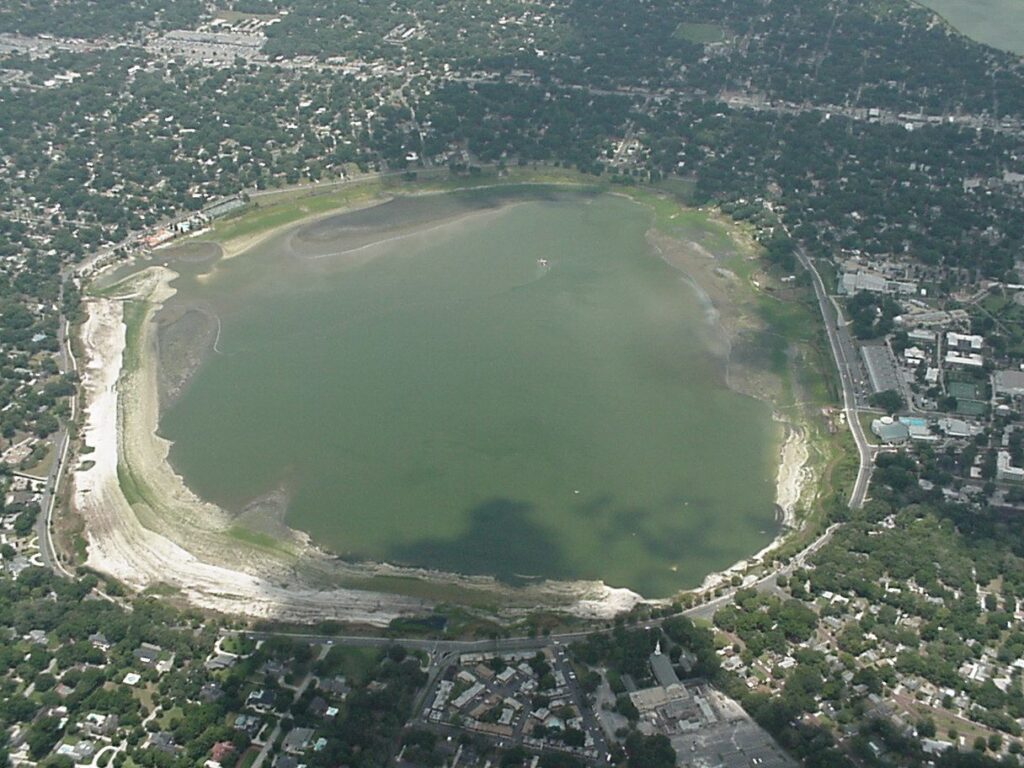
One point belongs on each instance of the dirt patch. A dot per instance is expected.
(185, 336)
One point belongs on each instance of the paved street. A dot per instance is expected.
(847, 364)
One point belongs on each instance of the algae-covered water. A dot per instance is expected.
(510, 384)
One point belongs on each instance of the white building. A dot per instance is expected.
(969, 360)
(1005, 470)
(855, 282)
(964, 342)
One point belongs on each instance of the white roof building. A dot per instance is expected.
(914, 354)
(854, 282)
(965, 342)
(1005, 470)
(970, 360)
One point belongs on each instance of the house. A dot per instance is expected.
(336, 687)
(261, 700)
(96, 724)
(220, 661)
(153, 657)
(318, 707)
(210, 692)
(36, 636)
(82, 752)
(99, 640)
(163, 741)
(222, 752)
(250, 724)
(272, 668)
(297, 740)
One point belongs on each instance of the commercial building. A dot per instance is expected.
(1006, 471)
(964, 342)
(890, 431)
(968, 361)
(855, 282)
(881, 367)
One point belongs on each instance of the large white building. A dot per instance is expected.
(964, 342)
(872, 282)
(1006, 471)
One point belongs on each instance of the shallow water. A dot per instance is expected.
(999, 23)
(511, 389)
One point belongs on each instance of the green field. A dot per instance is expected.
(696, 32)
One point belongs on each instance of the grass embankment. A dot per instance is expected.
(135, 313)
(269, 212)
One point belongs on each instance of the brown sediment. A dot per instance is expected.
(185, 336)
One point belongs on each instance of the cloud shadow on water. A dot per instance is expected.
(502, 541)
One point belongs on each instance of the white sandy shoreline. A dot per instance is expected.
(184, 543)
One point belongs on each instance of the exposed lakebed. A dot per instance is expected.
(508, 383)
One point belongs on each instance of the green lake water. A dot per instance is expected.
(446, 399)
(999, 23)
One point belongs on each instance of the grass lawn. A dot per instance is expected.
(356, 664)
(42, 467)
(697, 32)
(294, 204)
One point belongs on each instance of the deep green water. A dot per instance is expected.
(444, 400)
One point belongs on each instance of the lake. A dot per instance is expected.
(999, 23)
(509, 383)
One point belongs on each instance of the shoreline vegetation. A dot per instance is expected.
(146, 528)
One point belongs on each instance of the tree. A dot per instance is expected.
(890, 400)
(649, 751)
